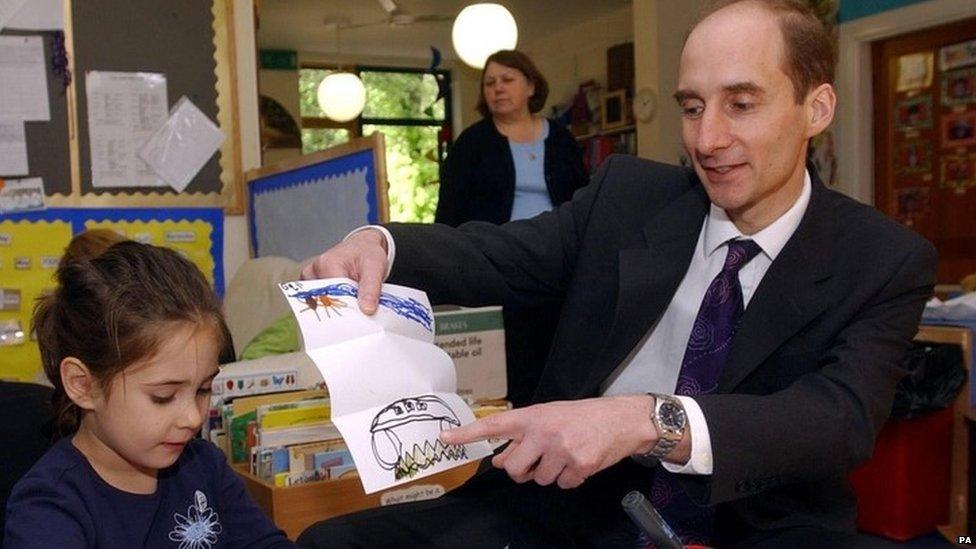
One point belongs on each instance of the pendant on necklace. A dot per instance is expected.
(532, 156)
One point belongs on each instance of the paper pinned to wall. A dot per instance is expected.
(22, 195)
(8, 10)
(181, 147)
(392, 390)
(37, 15)
(915, 71)
(13, 148)
(23, 79)
(124, 110)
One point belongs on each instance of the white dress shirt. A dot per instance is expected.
(653, 366)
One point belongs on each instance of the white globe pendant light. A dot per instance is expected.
(342, 96)
(482, 29)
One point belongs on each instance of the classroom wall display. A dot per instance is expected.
(913, 204)
(914, 157)
(957, 172)
(959, 87)
(31, 244)
(959, 129)
(914, 113)
(302, 206)
(47, 140)
(190, 42)
(914, 71)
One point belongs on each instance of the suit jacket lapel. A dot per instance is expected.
(649, 276)
(790, 295)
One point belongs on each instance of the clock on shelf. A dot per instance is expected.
(645, 104)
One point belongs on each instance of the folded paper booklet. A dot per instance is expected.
(392, 391)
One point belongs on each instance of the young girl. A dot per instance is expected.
(131, 340)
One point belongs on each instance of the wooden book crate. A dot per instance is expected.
(295, 508)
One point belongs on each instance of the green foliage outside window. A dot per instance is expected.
(411, 151)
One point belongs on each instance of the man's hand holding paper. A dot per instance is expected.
(362, 256)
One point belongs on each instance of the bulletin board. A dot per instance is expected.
(31, 244)
(191, 43)
(47, 141)
(301, 206)
(925, 138)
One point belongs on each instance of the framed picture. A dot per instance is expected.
(959, 129)
(957, 55)
(913, 204)
(957, 172)
(613, 113)
(914, 157)
(913, 113)
(915, 71)
(959, 87)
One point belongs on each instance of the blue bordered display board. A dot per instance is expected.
(81, 218)
(302, 206)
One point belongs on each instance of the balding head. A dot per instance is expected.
(808, 52)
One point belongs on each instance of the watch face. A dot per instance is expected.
(672, 415)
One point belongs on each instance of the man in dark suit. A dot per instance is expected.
(765, 314)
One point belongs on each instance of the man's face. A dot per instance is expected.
(741, 125)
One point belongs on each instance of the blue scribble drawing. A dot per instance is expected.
(406, 307)
(199, 528)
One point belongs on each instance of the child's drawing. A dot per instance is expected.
(401, 431)
(312, 303)
(392, 391)
(408, 308)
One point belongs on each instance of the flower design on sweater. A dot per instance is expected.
(199, 528)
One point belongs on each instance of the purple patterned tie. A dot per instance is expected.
(708, 350)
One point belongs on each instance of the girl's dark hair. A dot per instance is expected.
(517, 60)
(107, 311)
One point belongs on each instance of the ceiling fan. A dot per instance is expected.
(396, 17)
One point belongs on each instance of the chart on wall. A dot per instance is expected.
(925, 139)
(31, 244)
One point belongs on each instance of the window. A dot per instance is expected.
(402, 103)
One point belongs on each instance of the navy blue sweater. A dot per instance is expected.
(199, 503)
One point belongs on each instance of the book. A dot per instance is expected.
(291, 414)
(286, 436)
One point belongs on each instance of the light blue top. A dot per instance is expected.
(531, 193)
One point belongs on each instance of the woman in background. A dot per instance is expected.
(513, 164)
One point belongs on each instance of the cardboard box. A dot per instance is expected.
(475, 340)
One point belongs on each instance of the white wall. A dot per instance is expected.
(578, 53)
(660, 28)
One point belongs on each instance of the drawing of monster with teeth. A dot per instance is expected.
(401, 431)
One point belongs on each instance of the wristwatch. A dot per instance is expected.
(669, 418)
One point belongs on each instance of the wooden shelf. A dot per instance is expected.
(613, 131)
(959, 473)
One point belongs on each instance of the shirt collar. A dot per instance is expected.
(719, 229)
